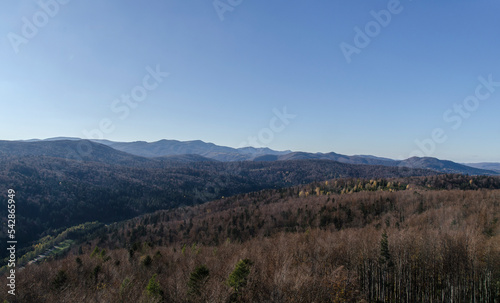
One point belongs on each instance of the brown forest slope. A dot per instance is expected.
(430, 239)
(56, 193)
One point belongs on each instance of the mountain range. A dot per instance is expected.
(63, 182)
(199, 151)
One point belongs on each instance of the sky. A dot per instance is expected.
(386, 78)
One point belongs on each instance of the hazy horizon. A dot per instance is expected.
(387, 78)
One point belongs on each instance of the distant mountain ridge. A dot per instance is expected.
(81, 150)
(485, 165)
(444, 166)
(435, 164)
(368, 160)
(196, 151)
(173, 147)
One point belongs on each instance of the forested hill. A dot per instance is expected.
(131, 153)
(427, 239)
(78, 150)
(56, 192)
(244, 216)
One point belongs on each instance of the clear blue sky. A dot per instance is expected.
(226, 77)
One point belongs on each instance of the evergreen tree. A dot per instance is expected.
(197, 279)
(385, 255)
(239, 277)
(153, 289)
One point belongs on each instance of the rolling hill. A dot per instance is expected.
(78, 150)
(58, 187)
(485, 165)
(173, 147)
(177, 151)
(444, 166)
